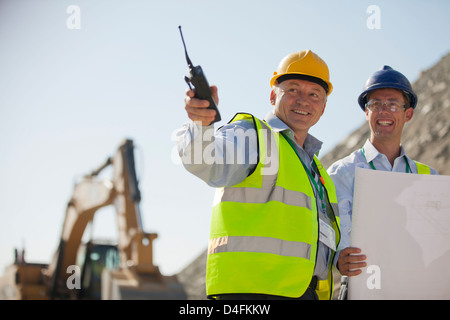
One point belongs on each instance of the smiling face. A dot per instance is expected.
(299, 104)
(385, 125)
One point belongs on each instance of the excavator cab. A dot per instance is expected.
(95, 258)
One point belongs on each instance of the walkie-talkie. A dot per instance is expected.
(198, 80)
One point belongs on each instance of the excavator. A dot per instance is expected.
(97, 270)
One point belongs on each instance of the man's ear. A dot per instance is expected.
(273, 97)
(409, 114)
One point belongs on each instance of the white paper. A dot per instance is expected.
(402, 223)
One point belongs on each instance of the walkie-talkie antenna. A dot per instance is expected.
(185, 51)
(198, 83)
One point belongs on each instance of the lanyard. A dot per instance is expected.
(408, 170)
(319, 187)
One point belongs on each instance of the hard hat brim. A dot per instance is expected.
(328, 87)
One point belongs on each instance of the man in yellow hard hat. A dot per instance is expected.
(275, 223)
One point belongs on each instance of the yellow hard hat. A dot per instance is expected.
(305, 65)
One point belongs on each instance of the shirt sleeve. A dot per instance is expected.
(220, 158)
(433, 171)
(343, 178)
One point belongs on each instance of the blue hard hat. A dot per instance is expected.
(387, 77)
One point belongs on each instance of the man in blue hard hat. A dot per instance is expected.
(388, 101)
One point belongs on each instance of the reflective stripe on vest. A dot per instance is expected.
(259, 244)
(264, 230)
(263, 195)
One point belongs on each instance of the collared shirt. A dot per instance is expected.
(226, 157)
(342, 172)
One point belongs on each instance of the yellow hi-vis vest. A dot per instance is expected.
(422, 168)
(264, 230)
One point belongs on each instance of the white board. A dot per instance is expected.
(402, 223)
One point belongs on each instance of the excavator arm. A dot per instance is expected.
(135, 245)
(88, 196)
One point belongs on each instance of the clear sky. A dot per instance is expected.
(68, 97)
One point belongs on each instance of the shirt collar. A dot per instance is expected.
(312, 145)
(370, 152)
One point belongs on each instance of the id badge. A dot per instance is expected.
(327, 235)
